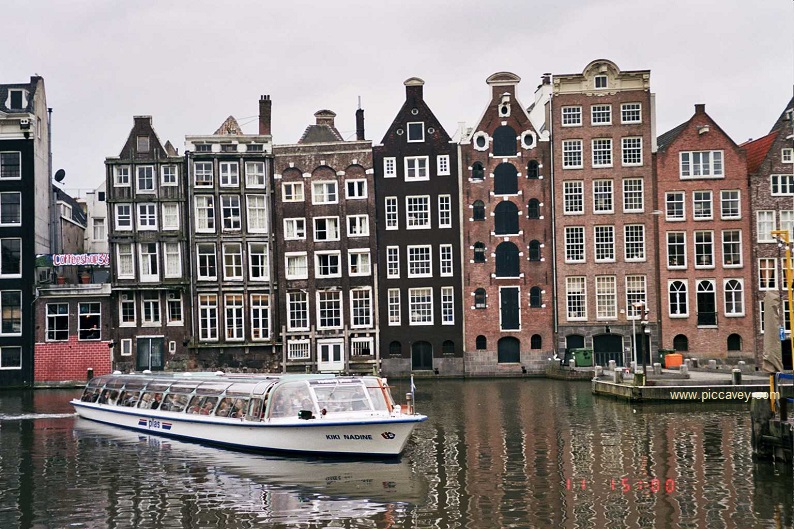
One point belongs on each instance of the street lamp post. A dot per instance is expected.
(644, 324)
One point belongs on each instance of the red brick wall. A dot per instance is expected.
(706, 341)
(64, 361)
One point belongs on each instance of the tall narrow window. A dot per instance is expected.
(208, 316)
(233, 309)
(392, 213)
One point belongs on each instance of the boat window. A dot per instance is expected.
(115, 383)
(202, 405)
(238, 411)
(224, 407)
(183, 387)
(341, 398)
(133, 385)
(255, 410)
(146, 400)
(130, 398)
(377, 398)
(174, 402)
(91, 394)
(212, 388)
(241, 389)
(290, 398)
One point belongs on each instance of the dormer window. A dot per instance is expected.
(142, 144)
(204, 147)
(229, 147)
(16, 99)
(255, 147)
(600, 81)
(416, 132)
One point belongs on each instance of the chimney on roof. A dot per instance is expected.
(700, 108)
(325, 117)
(360, 124)
(546, 77)
(264, 115)
(414, 88)
(142, 120)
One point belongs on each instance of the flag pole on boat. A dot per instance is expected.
(413, 396)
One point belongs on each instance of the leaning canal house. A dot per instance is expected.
(770, 168)
(325, 220)
(507, 257)
(231, 241)
(418, 230)
(25, 197)
(147, 235)
(603, 134)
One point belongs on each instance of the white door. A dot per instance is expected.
(331, 356)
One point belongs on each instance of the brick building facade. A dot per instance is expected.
(324, 206)
(770, 167)
(705, 242)
(602, 129)
(506, 225)
(418, 232)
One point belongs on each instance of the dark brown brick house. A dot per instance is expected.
(418, 230)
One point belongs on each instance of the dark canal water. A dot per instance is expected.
(497, 453)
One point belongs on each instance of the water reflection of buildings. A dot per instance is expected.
(500, 454)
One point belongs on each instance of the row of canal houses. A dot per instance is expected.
(563, 224)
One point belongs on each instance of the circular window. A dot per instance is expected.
(481, 141)
(505, 110)
(414, 111)
(528, 139)
(400, 132)
(431, 130)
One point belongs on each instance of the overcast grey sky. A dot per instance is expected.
(192, 64)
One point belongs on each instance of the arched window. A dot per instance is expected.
(481, 342)
(536, 342)
(477, 171)
(678, 299)
(507, 264)
(504, 141)
(734, 342)
(479, 298)
(681, 343)
(534, 250)
(533, 208)
(734, 299)
(535, 297)
(505, 179)
(479, 252)
(506, 218)
(395, 348)
(479, 210)
(448, 347)
(533, 169)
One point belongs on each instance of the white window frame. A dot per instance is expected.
(444, 211)
(627, 109)
(425, 292)
(781, 185)
(174, 299)
(636, 293)
(128, 299)
(414, 215)
(394, 308)
(741, 291)
(234, 317)
(255, 175)
(140, 174)
(392, 262)
(355, 310)
(445, 266)
(130, 215)
(711, 245)
(572, 154)
(359, 189)
(605, 189)
(299, 350)
(121, 176)
(259, 313)
(363, 263)
(389, 167)
(234, 217)
(678, 294)
(575, 247)
(150, 304)
(787, 155)
(325, 301)
(690, 162)
(598, 111)
(357, 226)
(169, 175)
(300, 302)
(17, 221)
(262, 272)
(442, 165)
(146, 216)
(767, 277)
(771, 219)
(330, 254)
(705, 199)
(604, 244)
(391, 205)
(606, 292)
(632, 192)
(126, 347)
(640, 242)
(236, 266)
(729, 201)
(203, 169)
(581, 297)
(448, 306)
(629, 151)
(679, 197)
(573, 197)
(420, 128)
(413, 164)
(291, 256)
(173, 260)
(725, 263)
(682, 244)
(325, 192)
(601, 149)
(208, 206)
(571, 116)
(420, 256)
(292, 192)
(336, 233)
(295, 229)
(148, 277)
(229, 174)
(213, 256)
(121, 257)
(208, 312)
(170, 213)
(256, 213)
(15, 241)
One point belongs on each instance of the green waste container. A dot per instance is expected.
(663, 352)
(584, 357)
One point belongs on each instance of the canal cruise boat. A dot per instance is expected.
(318, 414)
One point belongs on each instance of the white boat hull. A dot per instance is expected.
(375, 436)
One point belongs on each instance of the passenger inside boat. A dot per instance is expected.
(146, 401)
(224, 407)
(158, 400)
